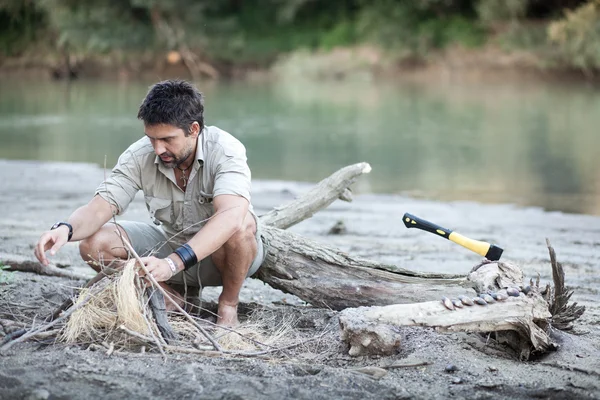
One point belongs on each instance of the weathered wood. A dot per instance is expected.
(22, 264)
(322, 195)
(374, 330)
(520, 322)
(563, 313)
(156, 300)
(327, 277)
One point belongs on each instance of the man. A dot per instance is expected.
(196, 184)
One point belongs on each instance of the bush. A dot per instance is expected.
(577, 36)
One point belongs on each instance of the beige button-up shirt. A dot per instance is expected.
(221, 168)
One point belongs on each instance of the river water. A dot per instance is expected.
(523, 143)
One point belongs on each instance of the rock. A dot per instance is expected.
(338, 229)
(451, 368)
(38, 394)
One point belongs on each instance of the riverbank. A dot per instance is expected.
(488, 63)
(36, 194)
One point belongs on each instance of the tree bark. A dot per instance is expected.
(374, 330)
(327, 277)
(322, 195)
(22, 264)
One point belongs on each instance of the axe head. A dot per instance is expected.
(494, 253)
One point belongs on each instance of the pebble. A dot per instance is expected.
(480, 301)
(513, 291)
(457, 381)
(451, 368)
(527, 289)
(466, 300)
(488, 299)
(447, 303)
(38, 394)
(499, 296)
(457, 303)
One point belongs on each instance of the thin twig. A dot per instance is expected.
(137, 335)
(407, 364)
(66, 314)
(232, 330)
(154, 338)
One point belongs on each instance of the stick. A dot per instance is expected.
(407, 364)
(168, 296)
(69, 302)
(156, 301)
(322, 195)
(34, 332)
(37, 268)
(155, 339)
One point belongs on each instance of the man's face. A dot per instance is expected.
(171, 144)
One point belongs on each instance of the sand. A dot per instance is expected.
(35, 195)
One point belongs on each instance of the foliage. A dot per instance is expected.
(501, 10)
(577, 36)
(20, 25)
(419, 26)
(258, 31)
(5, 276)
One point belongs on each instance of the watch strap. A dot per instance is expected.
(59, 224)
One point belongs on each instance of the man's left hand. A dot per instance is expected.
(157, 267)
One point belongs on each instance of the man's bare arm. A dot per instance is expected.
(86, 221)
(230, 212)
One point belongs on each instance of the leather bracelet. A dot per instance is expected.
(187, 255)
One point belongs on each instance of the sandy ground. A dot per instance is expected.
(35, 195)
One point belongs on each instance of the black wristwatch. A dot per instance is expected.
(56, 225)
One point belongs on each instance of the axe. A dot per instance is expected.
(487, 250)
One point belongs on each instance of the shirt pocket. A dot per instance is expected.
(205, 198)
(204, 209)
(161, 210)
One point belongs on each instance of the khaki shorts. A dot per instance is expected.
(150, 240)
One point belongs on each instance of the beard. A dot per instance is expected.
(176, 159)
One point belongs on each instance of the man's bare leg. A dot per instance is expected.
(233, 261)
(105, 248)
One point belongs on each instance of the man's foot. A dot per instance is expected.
(227, 315)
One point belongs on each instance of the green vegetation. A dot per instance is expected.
(5, 276)
(255, 33)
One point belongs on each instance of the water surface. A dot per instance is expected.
(530, 144)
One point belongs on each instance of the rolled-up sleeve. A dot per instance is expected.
(232, 174)
(124, 182)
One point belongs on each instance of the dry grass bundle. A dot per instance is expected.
(115, 300)
(115, 310)
(262, 330)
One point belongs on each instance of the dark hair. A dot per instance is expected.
(173, 102)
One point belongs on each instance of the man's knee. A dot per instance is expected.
(241, 242)
(102, 245)
(245, 238)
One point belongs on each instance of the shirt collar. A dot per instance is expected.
(200, 147)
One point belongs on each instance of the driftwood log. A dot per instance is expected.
(327, 277)
(523, 323)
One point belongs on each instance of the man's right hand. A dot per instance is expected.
(51, 240)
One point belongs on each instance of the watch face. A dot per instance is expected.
(56, 225)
